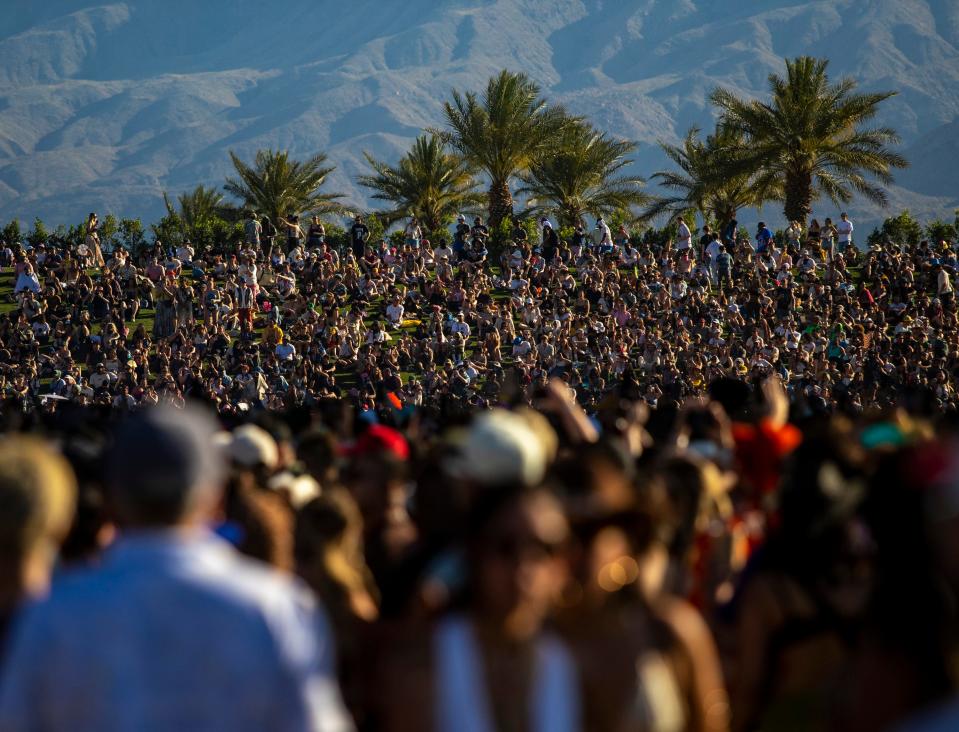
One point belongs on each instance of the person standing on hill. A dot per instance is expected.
(844, 229)
(359, 235)
(684, 237)
(267, 236)
(550, 241)
(252, 231)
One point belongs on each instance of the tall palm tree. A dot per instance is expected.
(706, 181)
(810, 138)
(200, 204)
(503, 132)
(583, 175)
(429, 182)
(276, 185)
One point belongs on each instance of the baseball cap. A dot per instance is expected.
(251, 446)
(500, 448)
(379, 439)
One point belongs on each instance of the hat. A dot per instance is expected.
(380, 440)
(251, 446)
(500, 448)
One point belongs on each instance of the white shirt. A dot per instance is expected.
(394, 313)
(684, 238)
(845, 229)
(602, 234)
(172, 631)
(712, 249)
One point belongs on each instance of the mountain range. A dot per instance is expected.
(106, 105)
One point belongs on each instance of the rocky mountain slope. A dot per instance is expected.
(104, 105)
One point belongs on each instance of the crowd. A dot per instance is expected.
(554, 485)
(284, 319)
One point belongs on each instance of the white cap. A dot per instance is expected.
(252, 446)
(501, 448)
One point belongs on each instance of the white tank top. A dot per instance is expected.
(461, 702)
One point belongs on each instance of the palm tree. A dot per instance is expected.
(198, 205)
(810, 139)
(277, 185)
(429, 182)
(706, 181)
(583, 176)
(503, 133)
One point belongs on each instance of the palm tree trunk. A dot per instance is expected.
(500, 203)
(798, 204)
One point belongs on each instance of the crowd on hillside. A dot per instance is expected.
(285, 320)
(568, 483)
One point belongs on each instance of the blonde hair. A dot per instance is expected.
(38, 493)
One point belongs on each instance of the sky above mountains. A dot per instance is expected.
(103, 106)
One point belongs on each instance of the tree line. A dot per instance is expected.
(809, 140)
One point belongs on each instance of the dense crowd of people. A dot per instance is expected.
(285, 319)
(553, 485)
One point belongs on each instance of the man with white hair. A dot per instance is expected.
(174, 630)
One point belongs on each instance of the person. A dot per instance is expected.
(602, 237)
(730, 231)
(184, 632)
(316, 235)
(844, 231)
(495, 666)
(38, 494)
(550, 240)
(294, 232)
(763, 237)
(684, 237)
(412, 233)
(267, 236)
(359, 235)
(92, 240)
(252, 230)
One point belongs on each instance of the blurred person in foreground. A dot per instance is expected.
(173, 630)
(37, 503)
(490, 663)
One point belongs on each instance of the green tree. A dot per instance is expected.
(131, 235)
(169, 230)
(583, 175)
(39, 234)
(809, 138)
(11, 232)
(502, 133)
(901, 229)
(938, 230)
(277, 185)
(703, 181)
(429, 182)
(109, 227)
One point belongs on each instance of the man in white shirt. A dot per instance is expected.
(172, 629)
(394, 312)
(285, 351)
(712, 251)
(684, 237)
(442, 253)
(845, 228)
(185, 253)
(461, 326)
(602, 237)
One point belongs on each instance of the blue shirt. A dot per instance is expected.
(762, 239)
(173, 631)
